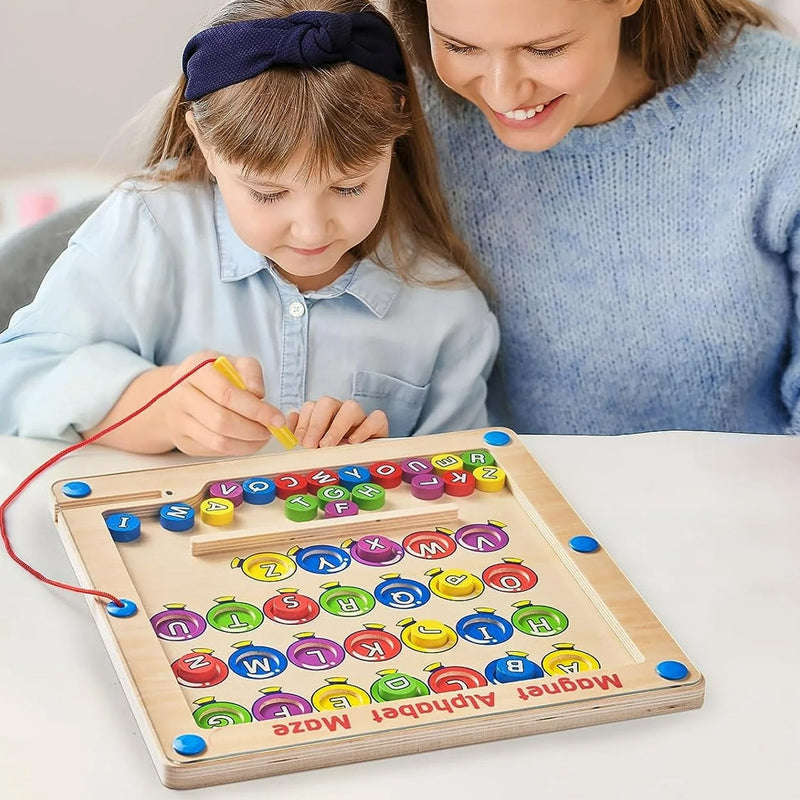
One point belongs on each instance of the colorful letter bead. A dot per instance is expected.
(227, 490)
(124, 527)
(477, 458)
(489, 479)
(287, 485)
(321, 477)
(340, 508)
(415, 466)
(176, 517)
(258, 491)
(427, 486)
(216, 512)
(328, 494)
(446, 462)
(459, 483)
(352, 475)
(376, 551)
(369, 496)
(301, 507)
(386, 474)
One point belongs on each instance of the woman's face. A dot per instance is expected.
(536, 68)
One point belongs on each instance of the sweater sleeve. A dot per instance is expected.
(778, 222)
(67, 357)
(790, 388)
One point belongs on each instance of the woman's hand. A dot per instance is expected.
(328, 422)
(207, 415)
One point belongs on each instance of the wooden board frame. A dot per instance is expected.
(239, 752)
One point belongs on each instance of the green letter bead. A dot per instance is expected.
(369, 496)
(301, 507)
(328, 494)
(477, 458)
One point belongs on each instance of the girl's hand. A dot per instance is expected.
(327, 422)
(206, 415)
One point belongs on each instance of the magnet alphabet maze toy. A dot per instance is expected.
(311, 608)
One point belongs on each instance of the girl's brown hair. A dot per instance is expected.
(341, 116)
(667, 37)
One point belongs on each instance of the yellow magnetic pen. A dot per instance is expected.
(283, 434)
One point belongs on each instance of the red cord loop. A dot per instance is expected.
(55, 459)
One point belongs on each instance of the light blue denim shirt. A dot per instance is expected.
(156, 274)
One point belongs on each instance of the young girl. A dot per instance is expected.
(628, 172)
(289, 216)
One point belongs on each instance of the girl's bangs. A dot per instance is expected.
(339, 119)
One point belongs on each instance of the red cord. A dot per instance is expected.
(57, 457)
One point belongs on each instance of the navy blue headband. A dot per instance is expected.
(235, 51)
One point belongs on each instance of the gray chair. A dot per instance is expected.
(28, 254)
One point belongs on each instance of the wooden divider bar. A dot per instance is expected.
(441, 515)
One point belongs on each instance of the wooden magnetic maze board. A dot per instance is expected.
(309, 608)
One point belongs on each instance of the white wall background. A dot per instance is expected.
(77, 82)
(73, 73)
(788, 9)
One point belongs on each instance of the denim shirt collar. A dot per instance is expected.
(373, 285)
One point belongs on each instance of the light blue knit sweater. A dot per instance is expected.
(646, 269)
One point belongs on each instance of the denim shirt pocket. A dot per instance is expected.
(402, 402)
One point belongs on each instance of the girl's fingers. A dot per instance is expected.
(375, 426)
(349, 416)
(220, 420)
(292, 418)
(328, 422)
(194, 439)
(321, 414)
(249, 370)
(243, 402)
(303, 419)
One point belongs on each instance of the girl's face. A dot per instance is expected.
(536, 68)
(306, 227)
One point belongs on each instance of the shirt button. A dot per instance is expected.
(297, 309)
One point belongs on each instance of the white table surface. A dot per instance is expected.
(706, 527)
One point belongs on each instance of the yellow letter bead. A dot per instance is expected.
(216, 511)
(339, 695)
(565, 660)
(454, 584)
(446, 462)
(428, 635)
(489, 478)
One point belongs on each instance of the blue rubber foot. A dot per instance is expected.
(496, 438)
(189, 744)
(76, 489)
(584, 544)
(672, 670)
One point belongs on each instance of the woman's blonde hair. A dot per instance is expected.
(666, 37)
(341, 117)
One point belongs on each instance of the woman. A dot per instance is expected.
(629, 174)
